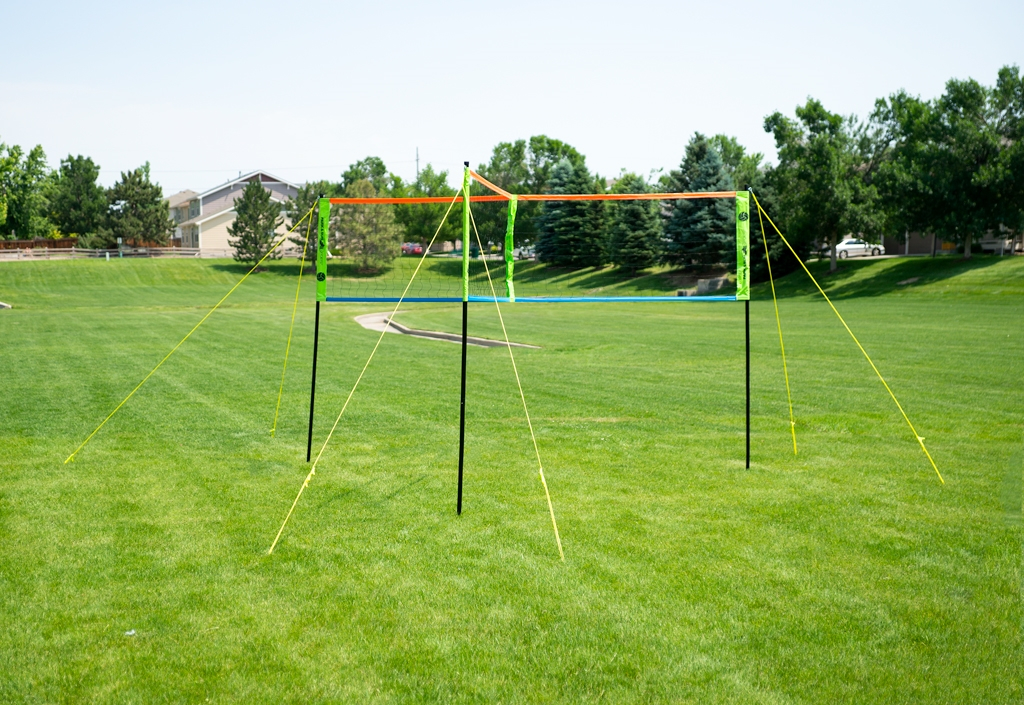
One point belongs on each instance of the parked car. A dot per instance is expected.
(854, 247)
(412, 248)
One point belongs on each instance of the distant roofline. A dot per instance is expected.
(246, 177)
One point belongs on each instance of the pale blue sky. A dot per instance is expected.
(204, 90)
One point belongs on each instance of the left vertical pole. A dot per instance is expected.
(323, 220)
(465, 321)
(746, 309)
(743, 282)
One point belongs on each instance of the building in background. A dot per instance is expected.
(202, 219)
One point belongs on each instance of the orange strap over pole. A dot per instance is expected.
(544, 197)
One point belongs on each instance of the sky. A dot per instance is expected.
(205, 90)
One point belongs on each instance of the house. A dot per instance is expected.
(202, 219)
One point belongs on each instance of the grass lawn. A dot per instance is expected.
(847, 573)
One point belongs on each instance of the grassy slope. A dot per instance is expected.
(846, 573)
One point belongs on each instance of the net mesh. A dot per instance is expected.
(370, 258)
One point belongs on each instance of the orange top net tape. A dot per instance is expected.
(504, 195)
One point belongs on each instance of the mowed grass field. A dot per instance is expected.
(847, 573)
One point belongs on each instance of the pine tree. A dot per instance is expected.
(635, 231)
(572, 233)
(552, 214)
(137, 211)
(256, 222)
(78, 204)
(308, 196)
(366, 233)
(700, 232)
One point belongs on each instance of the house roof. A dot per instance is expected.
(200, 219)
(180, 197)
(264, 177)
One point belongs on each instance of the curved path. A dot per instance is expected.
(379, 321)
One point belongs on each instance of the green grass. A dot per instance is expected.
(847, 573)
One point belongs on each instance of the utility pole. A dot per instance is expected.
(417, 163)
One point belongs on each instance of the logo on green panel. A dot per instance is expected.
(744, 216)
(320, 277)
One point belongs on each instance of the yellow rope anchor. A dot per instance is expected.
(920, 439)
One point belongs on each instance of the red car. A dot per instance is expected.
(412, 248)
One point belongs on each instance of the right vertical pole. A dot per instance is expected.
(465, 321)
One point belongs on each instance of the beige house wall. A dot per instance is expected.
(214, 233)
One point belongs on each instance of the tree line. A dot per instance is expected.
(952, 166)
(38, 202)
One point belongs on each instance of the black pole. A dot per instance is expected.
(312, 386)
(462, 404)
(746, 308)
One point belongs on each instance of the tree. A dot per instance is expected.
(25, 187)
(824, 177)
(421, 221)
(700, 232)
(136, 211)
(371, 169)
(78, 204)
(1006, 175)
(367, 233)
(254, 230)
(635, 230)
(950, 166)
(307, 196)
(572, 233)
(523, 166)
(509, 169)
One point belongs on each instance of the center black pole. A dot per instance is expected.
(747, 329)
(312, 386)
(462, 404)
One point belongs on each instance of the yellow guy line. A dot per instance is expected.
(778, 321)
(387, 324)
(187, 335)
(522, 396)
(899, 406)
(288, 347)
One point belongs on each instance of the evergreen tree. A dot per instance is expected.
(308, 196)
(257, 219)
(366, 233)
(78, 204)
(700, 232)
(635, 231)
(571, 233)
(136, 211)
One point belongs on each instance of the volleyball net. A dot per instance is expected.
(353, 263)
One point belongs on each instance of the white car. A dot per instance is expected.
(852, 247)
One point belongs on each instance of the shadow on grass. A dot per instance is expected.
(851, 281)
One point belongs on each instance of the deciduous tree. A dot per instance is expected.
(25, 187)
(824, 177)
(366, 233)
